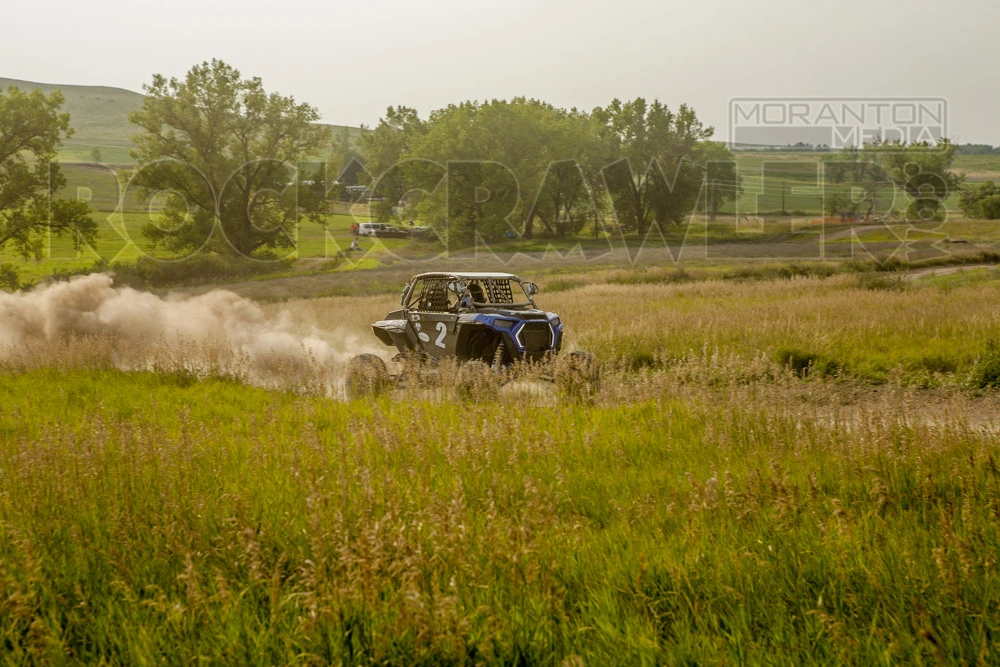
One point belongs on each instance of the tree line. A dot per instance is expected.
(236, 167)
(921, 171)
(977, 149)
(525, 167)
(227, 160)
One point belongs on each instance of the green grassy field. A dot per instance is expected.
(323, 248)
(771, 177)
(974, 164)
(798, 471)
(120, 241)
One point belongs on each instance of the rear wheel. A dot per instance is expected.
(366, 376)
(416, 369)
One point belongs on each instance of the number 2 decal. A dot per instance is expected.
(443, 328)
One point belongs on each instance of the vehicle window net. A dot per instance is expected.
(433, 296)
(498, 291)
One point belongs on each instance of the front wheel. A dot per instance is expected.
(366, 376)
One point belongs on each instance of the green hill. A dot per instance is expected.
(99, 114)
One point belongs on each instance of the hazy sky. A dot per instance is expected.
(352, 59)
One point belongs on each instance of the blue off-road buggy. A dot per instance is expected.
(487, 322)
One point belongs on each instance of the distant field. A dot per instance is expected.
(979, 167)
(978, 162)
(101, 186)
(795, 179)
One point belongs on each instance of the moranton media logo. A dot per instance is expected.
(835, 122)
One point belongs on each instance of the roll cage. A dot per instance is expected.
(440, 293)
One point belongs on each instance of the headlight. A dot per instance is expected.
(503, 324)
(556, 322)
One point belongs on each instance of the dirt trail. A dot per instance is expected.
(946, 270)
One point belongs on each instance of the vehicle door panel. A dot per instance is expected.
(437, 333)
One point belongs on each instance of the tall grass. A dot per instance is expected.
(872, 330)
(712, 502)
(147, 517)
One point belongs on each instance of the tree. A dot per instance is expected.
(495, 154)
(511, 164)
(341, 150)
(575, 150)
(31, 131)
(492, 169)
(386, 149)
(977, 149)
(656, 181)
(981, 201)
(723, 183)
(923, 172)
(222, 150)
(339, 163)
(855, 170)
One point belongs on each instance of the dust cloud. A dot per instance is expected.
(214, 332)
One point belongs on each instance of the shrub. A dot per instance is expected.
(149, 272)
(745, 273)
(981, 201)
(985, 372)
(562, 285)
(648, 277)
(794, 270)
(880, 282)
(989, 207)
(937, 363)
(9, 278)
(891, 263)
(639, 359)
(799, 361)
(804, 363)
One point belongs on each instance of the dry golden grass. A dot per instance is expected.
(876, 333)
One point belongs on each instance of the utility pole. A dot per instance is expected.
(783, 211)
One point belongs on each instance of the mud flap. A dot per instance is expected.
(393, 332)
